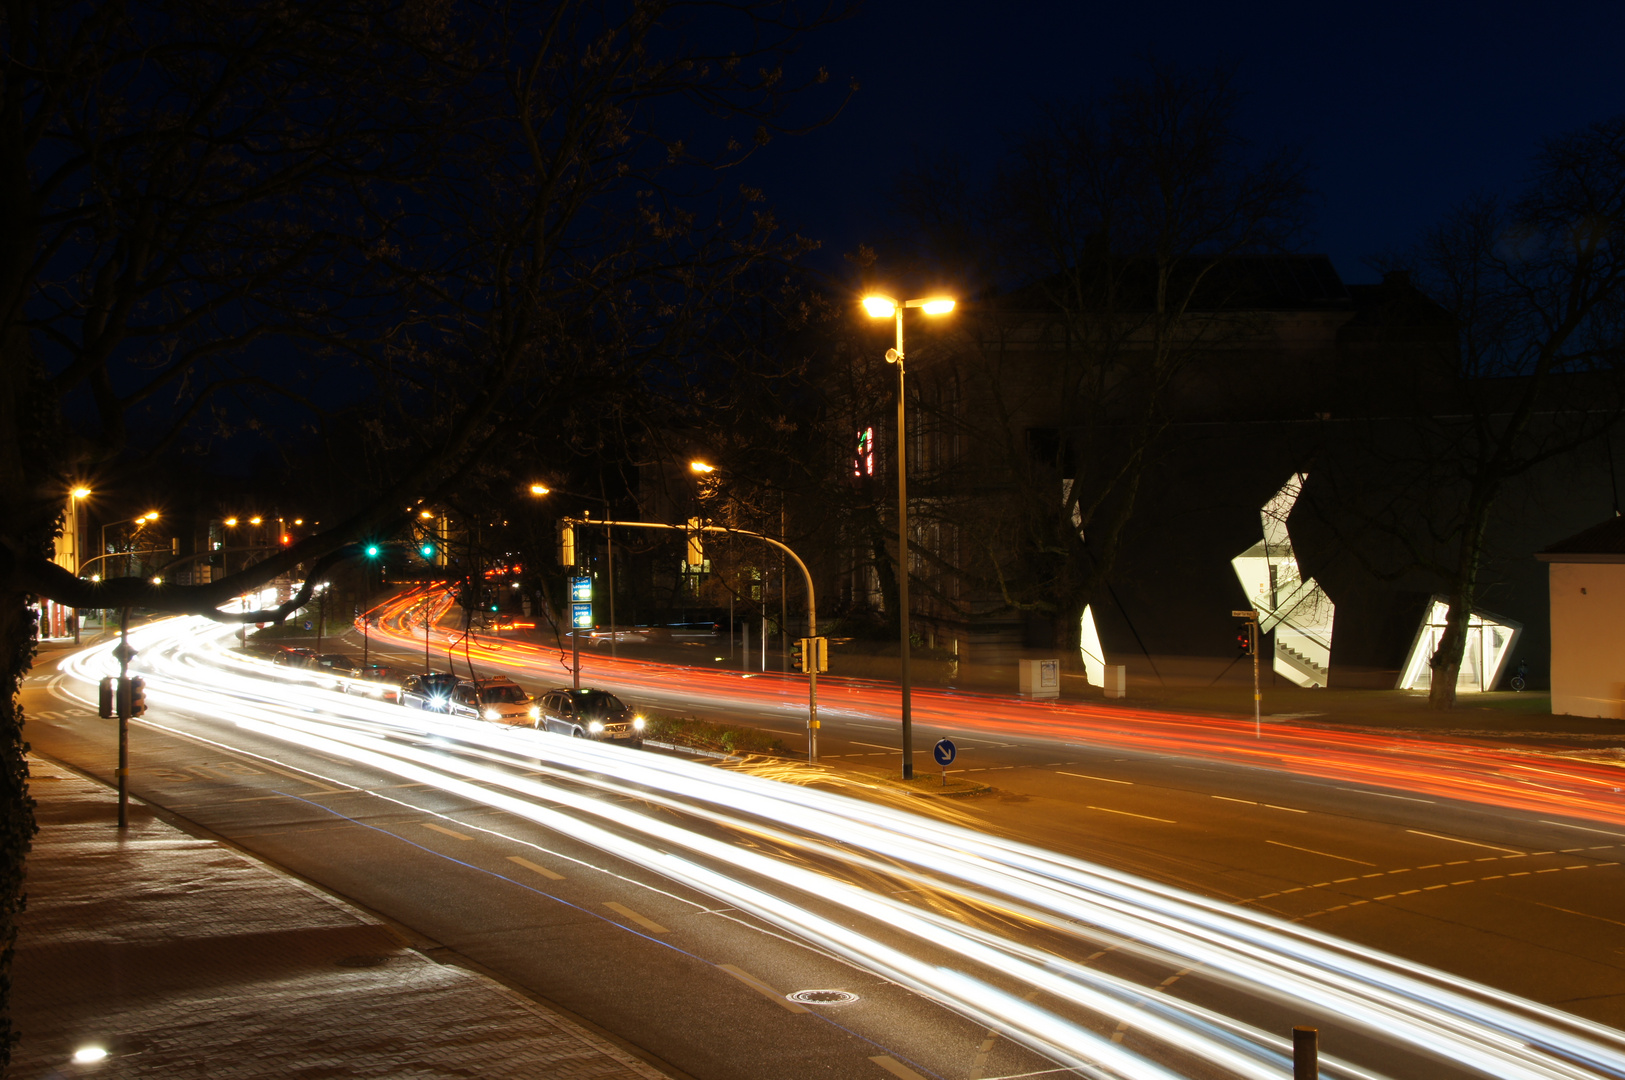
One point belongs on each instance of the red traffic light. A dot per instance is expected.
(286, 539)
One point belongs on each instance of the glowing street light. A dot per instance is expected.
(884, 307)
(230, 523)
(701, 467)
(539, 489)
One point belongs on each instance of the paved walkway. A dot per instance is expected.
(183, 958)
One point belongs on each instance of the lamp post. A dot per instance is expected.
(150, 515)
(881, 307)
(76, 494)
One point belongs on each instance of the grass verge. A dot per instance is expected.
(705, 735)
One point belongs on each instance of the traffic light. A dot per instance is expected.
(567, 544)
(286, 539)
(104, 704)
(138, 696)
(372, 551)
(798, 654)
(427, 551)
(1244, 639)
(820, 653)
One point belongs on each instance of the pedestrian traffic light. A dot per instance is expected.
(372, 551)
(798, 654)
(1244, 639)
(105, 707)
(138, 696)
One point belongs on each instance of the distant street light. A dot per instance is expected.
(539, 489)
(882, 307)
(702, 467)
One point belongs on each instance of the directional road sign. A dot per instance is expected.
(944, 752)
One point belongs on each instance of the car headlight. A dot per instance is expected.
(535, 712)
(492, 714)
(595, 727)
(637, 723)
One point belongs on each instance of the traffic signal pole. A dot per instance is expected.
(1250, 629)
(812, 603)
(123, 697)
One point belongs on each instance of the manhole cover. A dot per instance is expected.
(822, 997)
(363, 961)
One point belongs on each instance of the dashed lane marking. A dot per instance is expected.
(627, 913)
(443, 829)
(536, 868)
(762, 988)
(1130, 813)
(1582, 914)
(1324, 854)
(1385, 795)
(895, 1067)
(1086, 776)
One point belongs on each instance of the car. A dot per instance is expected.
(430, 691)
(375, 680)
(497, 699)
(588, 713)
(288, 656)
(339, 664)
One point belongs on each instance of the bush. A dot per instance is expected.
(705, 735)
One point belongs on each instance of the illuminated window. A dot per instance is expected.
(1490, 639)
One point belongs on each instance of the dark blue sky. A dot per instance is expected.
(1403, 108)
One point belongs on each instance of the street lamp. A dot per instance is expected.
(150, 515)
(80, 492)
(882, 307)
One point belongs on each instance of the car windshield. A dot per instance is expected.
(337, 660)
(596, 704)
(503, 694)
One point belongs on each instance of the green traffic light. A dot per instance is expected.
(427, 550)
(372, 551)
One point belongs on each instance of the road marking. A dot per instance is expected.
(895, 1067)
(1582, 914)
(1326, 854)
(762, 988)
(1288, 809)
(535, 867)
(1130, 813)
(443, 829)
(1474, 843)
(1086, 776)
(1582, 828)
(1385, 795)
(1227, 798)
(627, 913)
(877, 746)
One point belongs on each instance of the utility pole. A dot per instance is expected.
(123, 697)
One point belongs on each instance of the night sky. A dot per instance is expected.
(1402, 108)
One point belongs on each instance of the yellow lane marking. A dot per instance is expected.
(762, 988)
(895, 1067)
(1326, 854)
(448, 832)
(1130, 813)
(627, 913)
(535, 867)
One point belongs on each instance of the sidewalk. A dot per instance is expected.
(183, 958)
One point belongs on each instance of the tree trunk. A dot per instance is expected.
(1446, 659)
(17, 826)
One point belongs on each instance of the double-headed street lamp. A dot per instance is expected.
(881, 307)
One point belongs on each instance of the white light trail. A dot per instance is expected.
(1386, 1008)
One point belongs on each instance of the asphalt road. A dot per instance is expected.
(1519, 902)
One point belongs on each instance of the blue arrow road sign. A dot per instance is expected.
(944, 753)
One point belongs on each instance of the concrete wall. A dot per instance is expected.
(1588, 639)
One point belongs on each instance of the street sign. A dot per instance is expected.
(581, 616)
(123, 652)
(1249, 613)
(307, 624)
(581, 589)
(944, 752)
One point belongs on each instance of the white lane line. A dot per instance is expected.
(1582, 828)
(443, 829)
(1086, 776)
(877, 746)
(1385, 795)
(1582, 914)
(762, 988)
(627, 913)
(1474, 843)
(1288, 809)
(1227, 798)
(535, 868)
(1130, 813)
(1326, 854)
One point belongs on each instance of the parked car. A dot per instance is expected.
(497, 699)
(590, 714)
(375, 680)
(289, 656)
(339, 664)
(430, 691)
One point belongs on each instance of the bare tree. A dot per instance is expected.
(455, 210)
(1105, 254)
